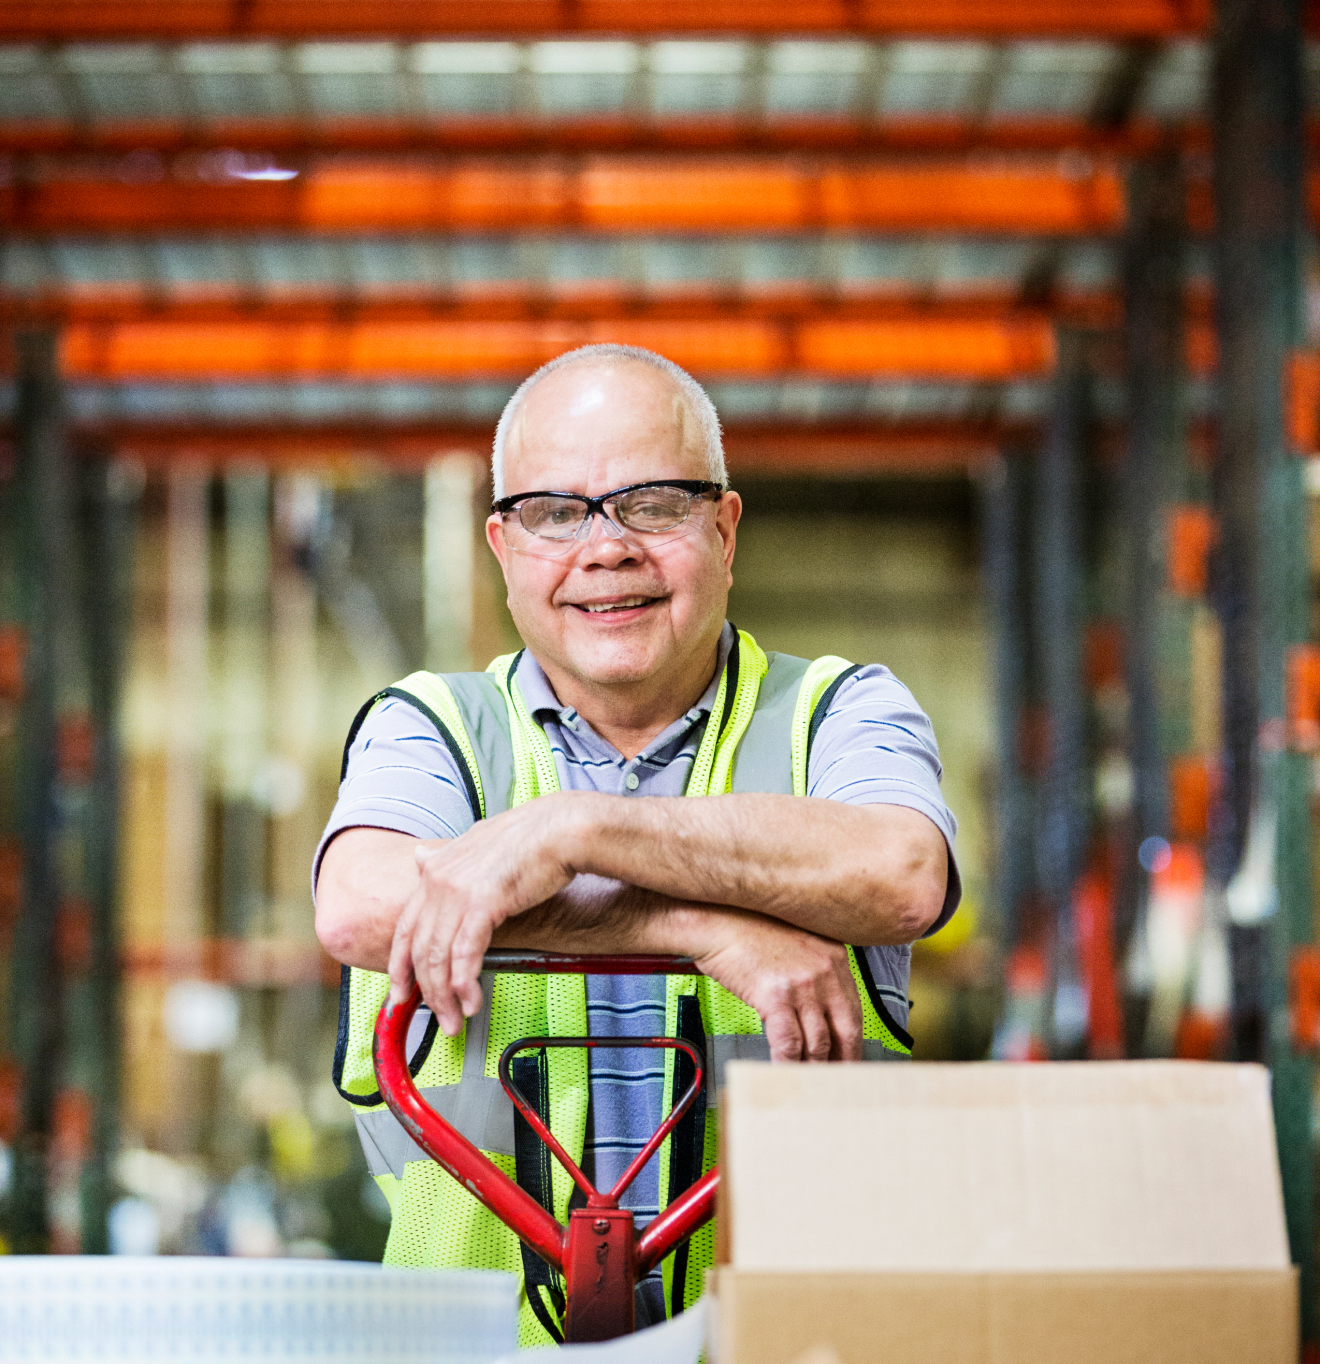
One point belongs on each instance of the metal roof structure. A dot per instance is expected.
(364, 267)
(193, 86)
(280, 226)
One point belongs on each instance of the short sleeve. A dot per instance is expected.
(400, 776)
(876, 746)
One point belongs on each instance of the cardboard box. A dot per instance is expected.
(1096, 1213)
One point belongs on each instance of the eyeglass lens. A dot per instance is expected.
(643, 509)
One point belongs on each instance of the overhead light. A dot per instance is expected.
(265, 173)
(229, 164)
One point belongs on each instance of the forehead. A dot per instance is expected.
(590, 428)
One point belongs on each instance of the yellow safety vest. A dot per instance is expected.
(768, 710)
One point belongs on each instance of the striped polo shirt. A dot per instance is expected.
(874, 746)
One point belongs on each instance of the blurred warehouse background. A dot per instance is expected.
(1005, 309)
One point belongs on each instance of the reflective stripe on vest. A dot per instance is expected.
(477, 1106)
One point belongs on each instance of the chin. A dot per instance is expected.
(613, 672)
(613, 662)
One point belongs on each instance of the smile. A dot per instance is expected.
(604, 608)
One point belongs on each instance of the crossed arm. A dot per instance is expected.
(761, 890)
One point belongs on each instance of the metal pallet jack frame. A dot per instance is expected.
(600, 1253)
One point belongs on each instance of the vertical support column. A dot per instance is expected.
(36, 997)
(296, 733)
(108, 505)
(1258, 148)
(1058, 595)
(1003, 515)
(296, 705)
(1152, 298)
(1005, 507)
(187, 589)
(1153, 465)
(245, 579)
(449, 552)
(183, 930)
(1260, 841)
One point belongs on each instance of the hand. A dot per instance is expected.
(801, 985)
(467, 888)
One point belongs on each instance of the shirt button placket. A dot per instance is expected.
(632, 781)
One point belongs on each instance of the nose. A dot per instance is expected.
(611, 547)
(606, 523)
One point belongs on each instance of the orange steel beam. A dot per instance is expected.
(595, 193)
(105, 19)
(930, 447)
(917, 449)
(968, 348)
(622, 133)
(750, 447)
(592, 301)
(703, 192)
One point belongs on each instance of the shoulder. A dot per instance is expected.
(399, 774)
(431, 704)
(394, 719)
(393, 734)
(872, 687)
(873, 710)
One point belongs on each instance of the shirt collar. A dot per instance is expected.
(544, 704)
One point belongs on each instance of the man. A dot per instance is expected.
(632, 684)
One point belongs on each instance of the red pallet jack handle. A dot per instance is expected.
(599, 1253)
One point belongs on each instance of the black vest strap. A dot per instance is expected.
(689, 1139)
(531, 1161)
(878, 1000)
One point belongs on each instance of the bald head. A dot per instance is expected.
(580, 420)
(607, 393)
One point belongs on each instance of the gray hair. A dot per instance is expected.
(609, 352)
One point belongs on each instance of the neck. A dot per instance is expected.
(630, 716)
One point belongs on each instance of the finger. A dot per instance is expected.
(816, 1037)
(433, 963)
(432, 938)
(844, 1010)
(845, 1023)
(466, 958)
(783, 1032)
(400, 966)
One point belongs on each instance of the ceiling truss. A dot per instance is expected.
(648, 168)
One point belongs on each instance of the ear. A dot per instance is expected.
(495, 539)
(727, 516)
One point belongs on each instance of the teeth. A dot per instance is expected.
(618, 605)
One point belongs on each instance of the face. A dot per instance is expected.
(616, 611)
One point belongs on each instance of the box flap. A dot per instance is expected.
(991, 1166)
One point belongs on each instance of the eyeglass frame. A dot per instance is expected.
(694, 487)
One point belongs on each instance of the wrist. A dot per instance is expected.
(690, 930)
(576, 833)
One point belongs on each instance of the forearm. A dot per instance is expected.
(367, 876)
(365, 879)
(861, 874)
(607, 918)
(389, 902)
(800, 985)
